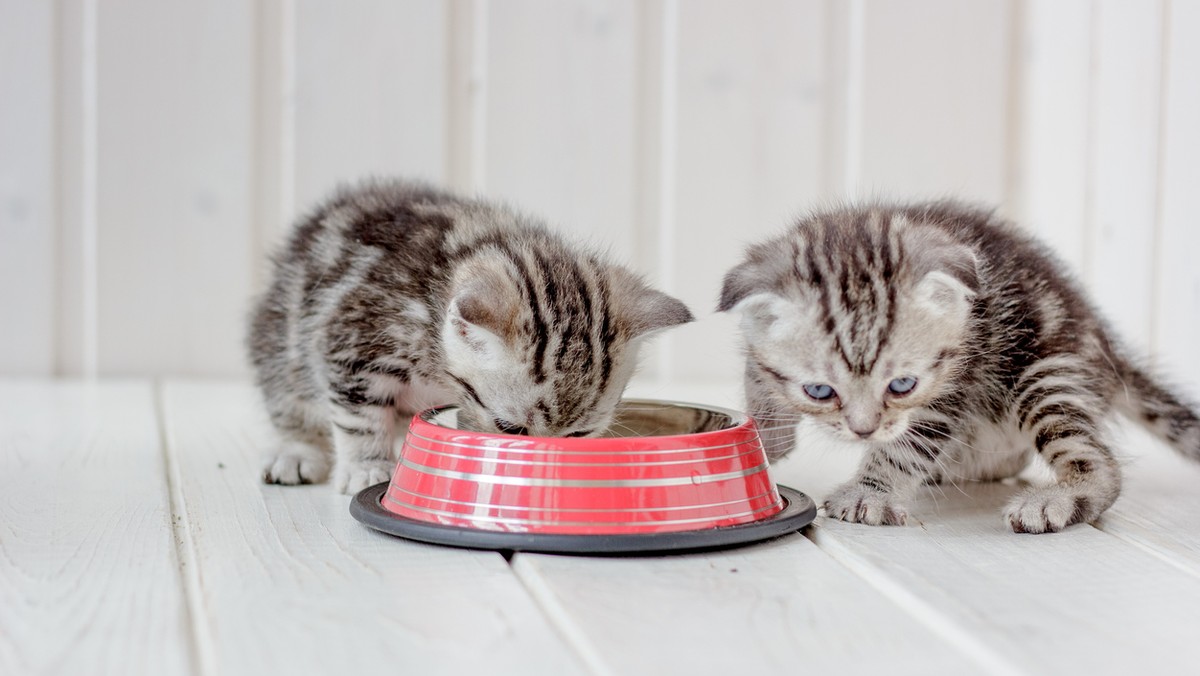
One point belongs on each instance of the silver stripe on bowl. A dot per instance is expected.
(559, 451)
(583, 483)
(553, 463)
(534, 522)
(521, 508)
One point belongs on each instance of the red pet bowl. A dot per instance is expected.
(676, 476)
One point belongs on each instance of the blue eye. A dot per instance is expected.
(902, 385)
(820, 392)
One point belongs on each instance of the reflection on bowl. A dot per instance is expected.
(672, 467)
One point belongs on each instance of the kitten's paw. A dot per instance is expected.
(1047, 509)
(351, 478)
(296, 463)
(857, 503)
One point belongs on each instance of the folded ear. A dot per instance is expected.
(652, 310)
(945, 271)
(931, 249)
(483, 303)
(945, 295)
(760, 311)
(763, 271)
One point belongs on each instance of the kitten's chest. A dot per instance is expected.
(411, 395)
(988, 450)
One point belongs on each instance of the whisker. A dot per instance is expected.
(938, 461)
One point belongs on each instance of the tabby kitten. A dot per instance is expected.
(394, 296)
(949, 344)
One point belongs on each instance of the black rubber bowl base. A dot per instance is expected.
(798, 511)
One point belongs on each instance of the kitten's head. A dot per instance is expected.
(855, 319)
(543, 343)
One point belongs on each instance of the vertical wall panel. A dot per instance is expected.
(27, 216)
(749, 156)
(935, 99)
(273, 179)
(561, 114)
(151, 152)
(370, 92)
(1124, 163)
(466, 82)
(1053, 113)
(75, 339)
(1177, 312)
(175, 124)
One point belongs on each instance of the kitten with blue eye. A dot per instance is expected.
(953, 347)
(391, 296)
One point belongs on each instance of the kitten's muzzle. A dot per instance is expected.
(863, 433)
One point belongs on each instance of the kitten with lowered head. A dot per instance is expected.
(393, 296)
(952, 347)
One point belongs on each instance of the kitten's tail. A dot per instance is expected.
(1160, 410)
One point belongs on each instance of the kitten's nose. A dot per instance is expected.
(862, 423)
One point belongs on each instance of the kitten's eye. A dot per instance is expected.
(902, 386)
(820, 392)
(774, 374)
(580, 433)
(510, 428)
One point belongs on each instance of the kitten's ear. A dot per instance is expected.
(945, 294)
(484, 300)
(740, 282)
(760, 311)
(750, 289)
(948, 273)
(763, 272)
(654, 310)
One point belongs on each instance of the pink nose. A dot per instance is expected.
(863, 433)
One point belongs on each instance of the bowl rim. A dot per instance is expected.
(738, 420)
(798, 512)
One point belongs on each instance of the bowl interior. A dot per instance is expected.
(634, 418)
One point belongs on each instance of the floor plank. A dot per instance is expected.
(1085, 600)
(1159, 507)
(777, 607)
(791, 606)
(1080, 601)
(89, 580)
(291, 584)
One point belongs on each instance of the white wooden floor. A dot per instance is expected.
(136, 538)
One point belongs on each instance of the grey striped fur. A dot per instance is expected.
(1009, 356)
(393, 296)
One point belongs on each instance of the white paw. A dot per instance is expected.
(857, 503)
(1047, 509)
(351, 478)
(296, 463)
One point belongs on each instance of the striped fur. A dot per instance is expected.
(393, 296)
(1009, 357)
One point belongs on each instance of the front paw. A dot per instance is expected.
(1048, 509)
(296, 463)
(857, 503)
(352, 477)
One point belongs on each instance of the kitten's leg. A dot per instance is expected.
(363, 436)
(889, 473)
(303, 456)
(776, 423)
(1059, 410)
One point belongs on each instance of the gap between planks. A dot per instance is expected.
(988, 660)
(1157, 553)
(185, 547)
(556, 615)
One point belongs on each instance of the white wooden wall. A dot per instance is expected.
(152, 151)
